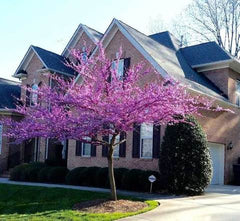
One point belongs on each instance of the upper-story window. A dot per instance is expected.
(146, 141)
(238, 92)
(34, 96)
(119, 68)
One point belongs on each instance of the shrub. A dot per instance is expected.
(31, 172)
(43, 174)
(118, 173)
(90, 178)
(184, 159)
(131, 179)
(18, 172)
(55, 163)
(76, 176)
(102, 178)
(57, 174)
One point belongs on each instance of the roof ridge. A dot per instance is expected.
(93, 29)
(45, 50)
(207, 42)
(5, 79)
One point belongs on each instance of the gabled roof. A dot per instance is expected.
(53, 61)
(9, 91)
(205, 53)
(94, 35)
(50, 61)
(165, 50)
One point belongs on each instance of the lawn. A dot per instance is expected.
(41, 203)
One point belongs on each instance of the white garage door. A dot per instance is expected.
(217, 156)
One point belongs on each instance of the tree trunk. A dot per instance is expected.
(111, 174)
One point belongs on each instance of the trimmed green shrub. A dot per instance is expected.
(131, 179)
(18, 172)
(76, 176)
(102, 178)
(55, 163)
(57, 174)
(118, 173)
(90, 179)
(184, 163)
(43, 174)
(31, 172)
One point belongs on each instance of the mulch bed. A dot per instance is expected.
(109, 206)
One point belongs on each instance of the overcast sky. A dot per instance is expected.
(50, 23)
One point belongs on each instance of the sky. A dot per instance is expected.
(51, 23)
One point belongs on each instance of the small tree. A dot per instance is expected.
(104, 103)
(184, 163)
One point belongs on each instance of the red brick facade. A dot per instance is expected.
(220, 127)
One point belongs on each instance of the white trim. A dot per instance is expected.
(135, 43)
(225, 62)
(23, 60)
(84, 155)
(75, 38)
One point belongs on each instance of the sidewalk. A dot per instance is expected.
(93, 189)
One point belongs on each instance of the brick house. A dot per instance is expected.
(205, 68)
(10, 155)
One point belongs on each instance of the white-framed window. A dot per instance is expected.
(1, 131)
(116, 148)
(34, 96)
(238, 92)
(86, 148)
(120, 68)
(146, 141)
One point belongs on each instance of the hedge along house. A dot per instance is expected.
(206, 69)
(10, 155)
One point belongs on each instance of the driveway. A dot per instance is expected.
(219, 203)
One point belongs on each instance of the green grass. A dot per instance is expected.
(41, 203)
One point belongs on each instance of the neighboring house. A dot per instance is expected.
(9, 93)
(206, 69)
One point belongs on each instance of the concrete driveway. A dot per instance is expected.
(219, 203)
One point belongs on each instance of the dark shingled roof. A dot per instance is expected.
(9, 91)
(164, 48)
(53, 61)
(205, 53)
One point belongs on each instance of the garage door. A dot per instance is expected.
(217, 156)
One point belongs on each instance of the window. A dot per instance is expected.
(34, 97)
(146, 140)
(238, 92)
(86, 148)
(116, 148)
(120, 68)
(1, 130)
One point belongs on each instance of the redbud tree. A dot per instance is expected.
(103, 103)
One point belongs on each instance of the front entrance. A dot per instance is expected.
(217, 156)
(57, 153)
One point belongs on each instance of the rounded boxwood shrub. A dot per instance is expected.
(32, 171)
(43, 174)
(90, 178)
(102, 179)
(76, 176)
(18, 173)
(57, 174)
(118, 174)
(132, 180)
(184, 163)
